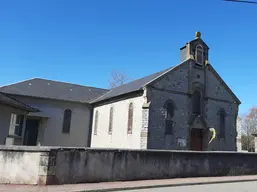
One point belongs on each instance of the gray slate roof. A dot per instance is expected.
(8, 100)
(133, 86)
(43, 88)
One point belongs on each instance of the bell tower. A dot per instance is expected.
(198, 52)
(196, 49)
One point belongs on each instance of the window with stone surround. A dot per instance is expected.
(130, 118)
(66, 121)
(169, 113)
(96, 122)
(110, 121)
(199, 54)
(196, 102)
(222, 123)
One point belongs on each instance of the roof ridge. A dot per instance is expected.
(163, 72)
(44, 88)
(70, 83)
(136, 85)
(37, 78)
(144, 77)
(100, 96)
(125, 84)
(16, 82)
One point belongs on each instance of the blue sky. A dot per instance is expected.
(82, 41)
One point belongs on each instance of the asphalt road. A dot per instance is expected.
(227, 187)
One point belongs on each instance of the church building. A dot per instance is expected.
(173, 109)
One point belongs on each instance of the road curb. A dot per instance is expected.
(167, 185)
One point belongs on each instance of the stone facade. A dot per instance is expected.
(178, 85)
(172, 86)
(144, 131)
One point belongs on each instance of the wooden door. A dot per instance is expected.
(196, 143)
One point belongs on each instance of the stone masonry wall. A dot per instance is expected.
(220, 98)
(27, 165)
(211, 112)
(41, 165)
(144, 131)
(91, 165)
(157, 138)
(174, 86)
(178, 85)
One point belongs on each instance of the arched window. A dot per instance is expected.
(110, 120)
(96, 122)
(196, 102)
(130, 118)
(222, 122)
(66, 121)
(169, 113)
(169, 109)
(199, 54)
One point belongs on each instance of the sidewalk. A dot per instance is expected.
(114, 186)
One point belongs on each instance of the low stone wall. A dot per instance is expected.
(82, 165)
(19, 167)
(27, 165)
(79, 166)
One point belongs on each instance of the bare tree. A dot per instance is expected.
(118, 78)
(249, 127)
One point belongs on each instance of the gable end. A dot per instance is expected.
(168, 71)
(224, 83)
